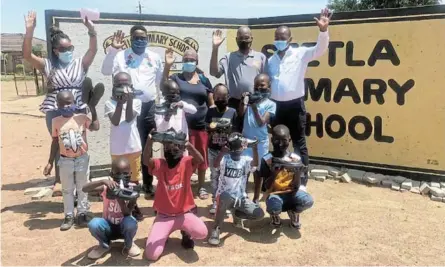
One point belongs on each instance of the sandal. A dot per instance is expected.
(203, 194)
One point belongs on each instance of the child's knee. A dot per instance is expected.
(274, 205)
(201, 233)
(153, 253)
(129, 223)
(95, 224)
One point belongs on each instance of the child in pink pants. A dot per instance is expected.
(174, 202)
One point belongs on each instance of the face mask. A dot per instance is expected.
(279, 148)
(280, 45)
(139, 46)
(188, 66)
(172, 158)
(244, 45)
(67, 111)
(236, 155)
(221, 104)
(172, 98)
(66, 57)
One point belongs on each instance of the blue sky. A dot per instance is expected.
(13, 10)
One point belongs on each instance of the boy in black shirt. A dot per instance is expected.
(282, 185)
(219, 121)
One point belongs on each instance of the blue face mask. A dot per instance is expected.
(280, 45)
(188, 66)
(139, 46)
(67, 111)
(66, 57)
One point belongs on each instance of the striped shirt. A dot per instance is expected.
(69, 77)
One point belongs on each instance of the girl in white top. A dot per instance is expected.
(61, 70)
(177, 121)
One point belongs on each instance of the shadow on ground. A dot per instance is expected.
(38, 182)
(38, 211)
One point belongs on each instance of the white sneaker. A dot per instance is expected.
(98, 252)
(134, 251)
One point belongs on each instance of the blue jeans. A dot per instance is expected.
(299, 202)
(104, 231)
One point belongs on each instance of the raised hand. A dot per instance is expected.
(218, 39)
(323, 21)
(30, 20)
(118, 40)
(88, 23)
(169, 57)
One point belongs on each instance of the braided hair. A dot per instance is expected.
(55, 35)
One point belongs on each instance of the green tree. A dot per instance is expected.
(351, 5)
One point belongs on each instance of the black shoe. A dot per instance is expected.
(294, 219)
(187, 242)
(67, 223)
(82, 220)
(275, 221)
(149, 190)
(137, 214)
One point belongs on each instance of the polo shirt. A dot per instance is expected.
(240, 71)
(287, 74)
(145, 70)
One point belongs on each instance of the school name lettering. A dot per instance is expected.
(370, 90)
(160, 39)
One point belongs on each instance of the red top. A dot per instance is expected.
(174, 192)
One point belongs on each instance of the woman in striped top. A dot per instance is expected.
(62, 71)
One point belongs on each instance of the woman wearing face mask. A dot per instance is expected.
(195, 89)
(62, 71)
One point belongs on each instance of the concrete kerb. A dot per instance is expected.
(435, 190)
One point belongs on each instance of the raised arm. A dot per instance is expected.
(147, 154)
(117, 43)
(88, 58)
(169, 60)
(197, 157)
(216, 70)
(36, 62)
(320, 48)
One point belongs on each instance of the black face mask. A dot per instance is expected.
(172, 158)
(279, 150)
(173, 98)
(235, 155)
(221, 104)
(244, 45)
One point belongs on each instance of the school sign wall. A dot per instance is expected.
(374, 99)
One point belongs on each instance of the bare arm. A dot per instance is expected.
(35, 61)
(255, 161)
(242, 107)
(169, 60)
(126, 208)
(210, 101)
(115, 117)
(220, 156)
(52, 156)
(94, 126)
(260, 120)
(197, 157)
(147, 155)
(129, 112)
(95, 186)
(88, 58)
(215, 69)
(296, 182)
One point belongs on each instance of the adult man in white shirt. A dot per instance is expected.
(286, 69)
(145, 68)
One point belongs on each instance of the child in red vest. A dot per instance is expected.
(174, 202)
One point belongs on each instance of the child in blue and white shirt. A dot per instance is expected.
(256, 118)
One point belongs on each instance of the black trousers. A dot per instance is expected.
(234, 103)
(293, 115)
(146, 122)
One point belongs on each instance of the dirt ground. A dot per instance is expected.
(350, 224)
